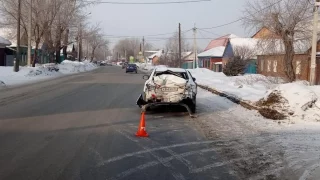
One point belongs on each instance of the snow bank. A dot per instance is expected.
(300, 101)
(41, 72)
(248, 87)
(71, 67)
(297, 101)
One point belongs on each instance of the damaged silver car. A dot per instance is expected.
(169, 86)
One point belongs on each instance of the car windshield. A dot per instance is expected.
(132, 65)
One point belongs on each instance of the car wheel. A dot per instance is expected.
(192, 107)
(136, 72)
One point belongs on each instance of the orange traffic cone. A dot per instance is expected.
(142, 127)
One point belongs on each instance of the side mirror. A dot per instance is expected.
(146, 77)
(194, 79)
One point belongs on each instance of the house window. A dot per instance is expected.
(261, 65)
(269, 66)
(298, 67)
(275, 64)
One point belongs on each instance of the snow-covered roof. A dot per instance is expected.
(157, 53)
(267, 47)
(247, 42)
(162, 69)
(214, 52)
(221, 41)
(4, 42)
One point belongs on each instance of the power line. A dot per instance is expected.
(210, 32)
(226, 24)
(135, 36)
(147, 3)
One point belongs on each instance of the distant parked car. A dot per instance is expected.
(131, 68)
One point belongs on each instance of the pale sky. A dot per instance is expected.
(145, 20)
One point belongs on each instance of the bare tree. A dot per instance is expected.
(130, 47)
(96, 39)
(51, 19)
(286, 20)
(244, 52)
(171, 51)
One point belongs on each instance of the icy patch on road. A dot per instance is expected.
(268, 149)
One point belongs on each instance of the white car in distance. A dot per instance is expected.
(169, 86)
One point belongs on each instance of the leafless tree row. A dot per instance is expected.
(55, 24)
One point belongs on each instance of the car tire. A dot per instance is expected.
(193, 107)
(136, 72)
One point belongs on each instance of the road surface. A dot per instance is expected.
(83, 126)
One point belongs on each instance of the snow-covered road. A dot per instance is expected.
(259, 148)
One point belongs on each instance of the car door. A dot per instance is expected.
(192, 83)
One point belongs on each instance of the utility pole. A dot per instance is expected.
(143, 51)
(314, 44)
(17, 61)
(195, 47)
(125, 55)
(29, 33)
(180, 46)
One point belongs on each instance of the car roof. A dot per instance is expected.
(162, 69)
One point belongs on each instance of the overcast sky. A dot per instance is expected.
(145, 20)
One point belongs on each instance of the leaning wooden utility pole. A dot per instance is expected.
(180, 46)
(144, 59)
(29, 33)
(17, 61)
(314, 44)
(195, 47)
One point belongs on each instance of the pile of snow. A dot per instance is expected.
(71, 67)
(248, 87)
(41, 72)
(296, 101)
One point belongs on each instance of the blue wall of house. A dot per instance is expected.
(252, 67)
(228, 52)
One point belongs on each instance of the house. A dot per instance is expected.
(154, 57)
(271, 63)
(3, 55)
(187, 60)
(212, 59)
(245, 48)
(212, 56)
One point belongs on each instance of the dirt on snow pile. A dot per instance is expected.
(295, 101)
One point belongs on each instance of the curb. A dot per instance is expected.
(231, 98)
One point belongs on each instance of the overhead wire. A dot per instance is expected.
(240, 19)
(147, 3)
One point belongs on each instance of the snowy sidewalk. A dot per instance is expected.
(260, 148)
(42, 72)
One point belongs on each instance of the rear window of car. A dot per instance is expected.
(183, 75)
(132, 65)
